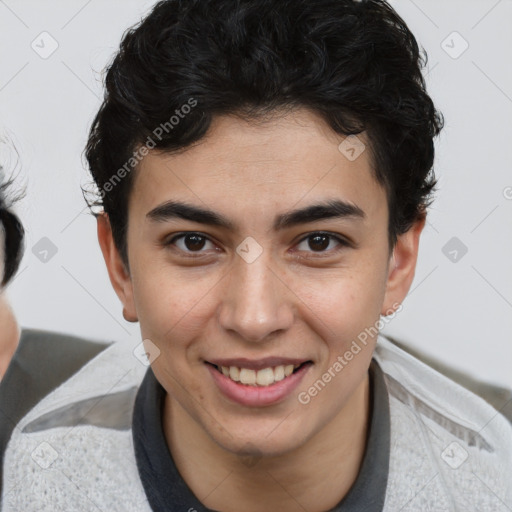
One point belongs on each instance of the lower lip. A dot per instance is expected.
(257, 396)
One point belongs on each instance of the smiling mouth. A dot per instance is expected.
(259, 378)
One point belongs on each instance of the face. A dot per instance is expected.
(263, 246)
(2, 252)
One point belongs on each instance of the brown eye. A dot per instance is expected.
(189, 243)
(322, 243)
(318, 242)
(194, 242)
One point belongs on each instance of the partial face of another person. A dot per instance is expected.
(255, 282)
(9, 329)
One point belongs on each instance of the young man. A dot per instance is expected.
(264, 169)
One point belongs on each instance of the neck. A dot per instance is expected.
(295, 481)
(9, 334)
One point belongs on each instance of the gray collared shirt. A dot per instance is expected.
(167, 491)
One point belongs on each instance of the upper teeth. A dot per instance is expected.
(264, 377)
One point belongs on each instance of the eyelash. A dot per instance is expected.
(197, 254)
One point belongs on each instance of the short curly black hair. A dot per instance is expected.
(355, 63)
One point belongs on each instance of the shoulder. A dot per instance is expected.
(413, 382)
(76, 442)
(49, 365)
(443, 434)
(43, 360)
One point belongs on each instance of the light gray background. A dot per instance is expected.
(460, 312)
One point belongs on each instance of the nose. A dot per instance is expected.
(256, 303)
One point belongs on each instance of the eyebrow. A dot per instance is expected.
(335, 208)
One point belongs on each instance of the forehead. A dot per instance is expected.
(258, 167)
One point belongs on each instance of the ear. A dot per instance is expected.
(117, 271)
(402, 266)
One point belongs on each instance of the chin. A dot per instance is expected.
(273, 439)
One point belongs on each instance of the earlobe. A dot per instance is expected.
(402, 266)
(129, 317)
(117, 271)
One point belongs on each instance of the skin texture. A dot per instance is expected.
(9, 328)
(9, 335)
(294, 300)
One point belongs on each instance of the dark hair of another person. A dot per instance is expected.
(14, 235)
(355, 63)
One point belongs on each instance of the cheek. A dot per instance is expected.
(171, 305)
(344, 302)
(173, 313)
